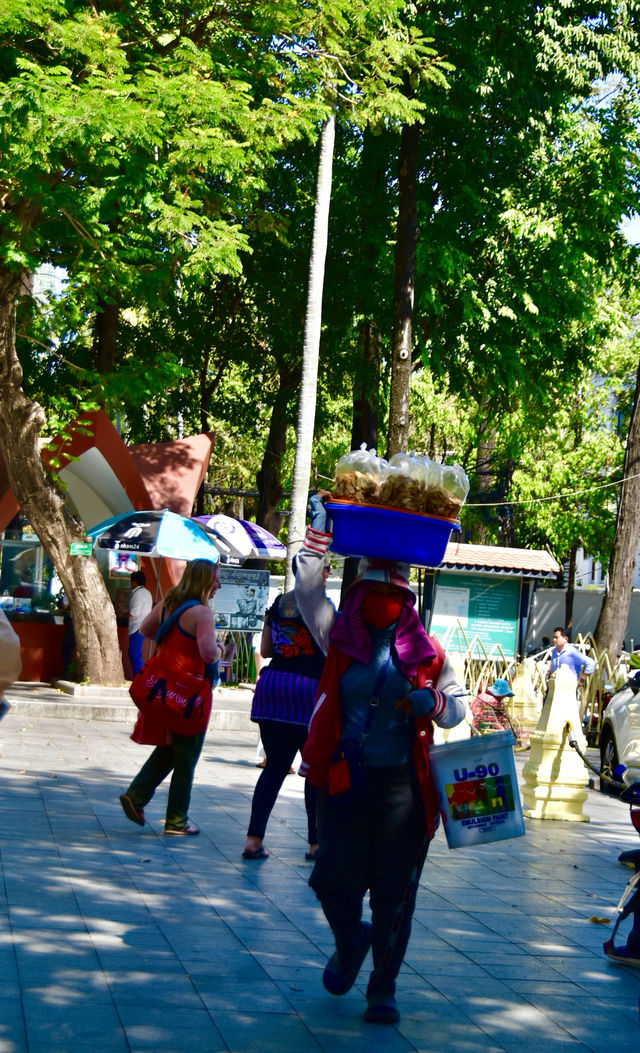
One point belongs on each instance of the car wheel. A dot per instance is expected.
(608, 760)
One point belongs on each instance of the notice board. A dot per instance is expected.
(241, 600)
(485, 607)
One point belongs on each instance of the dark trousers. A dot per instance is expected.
(181, 758)
(281, 743)
(374, 840)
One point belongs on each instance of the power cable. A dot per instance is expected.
(554, 497)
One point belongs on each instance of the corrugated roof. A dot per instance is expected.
(537, 563)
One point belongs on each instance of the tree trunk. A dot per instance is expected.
(571, 587)
(43, 503)
(612, 622)
(311, 351)
(269, 478)
(485, 478)
(371, 223)
(403, 292)
(105, 333)
(366, 387)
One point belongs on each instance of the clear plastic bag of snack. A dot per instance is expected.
(455, 481)
(446, 498)
(410, 464)
(358, 476)
(404, 483)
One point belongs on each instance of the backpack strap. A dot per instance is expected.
(168, 623)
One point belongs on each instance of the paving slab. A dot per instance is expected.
(114, 939)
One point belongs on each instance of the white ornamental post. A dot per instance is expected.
(554, 775)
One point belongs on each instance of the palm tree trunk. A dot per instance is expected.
(311, 349)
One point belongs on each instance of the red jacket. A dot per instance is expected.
(324, 729)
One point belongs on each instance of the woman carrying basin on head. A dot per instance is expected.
(384, 684)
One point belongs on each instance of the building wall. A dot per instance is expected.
(590, 572)
(549, 611)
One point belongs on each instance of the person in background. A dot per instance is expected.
(191, 642)
(256, 643)
(140, 603)
(384, 684)
(10, 659)
(489, 707)
(282, 705)
(566, 653)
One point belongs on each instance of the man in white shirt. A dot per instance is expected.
(140, 603)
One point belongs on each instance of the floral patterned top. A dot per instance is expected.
(295, 650)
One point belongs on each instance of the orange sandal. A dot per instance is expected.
(131, 810)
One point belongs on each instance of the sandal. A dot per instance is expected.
(131, 810)
(257, 853)
(182, 831)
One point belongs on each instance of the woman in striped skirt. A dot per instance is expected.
(282, 706)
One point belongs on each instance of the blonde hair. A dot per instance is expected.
(195, 584)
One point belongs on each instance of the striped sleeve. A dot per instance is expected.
(317, 610)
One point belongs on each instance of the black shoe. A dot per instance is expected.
(381, 1009)
(342, 970)
(623, 955)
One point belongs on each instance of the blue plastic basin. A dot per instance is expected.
(389, 533)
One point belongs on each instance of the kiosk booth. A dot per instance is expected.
(104, 477)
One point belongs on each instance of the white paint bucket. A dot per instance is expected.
(478, 787)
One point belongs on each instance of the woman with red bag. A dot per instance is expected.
(190, 642)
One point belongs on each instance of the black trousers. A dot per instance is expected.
(281, 742)
(376, 841)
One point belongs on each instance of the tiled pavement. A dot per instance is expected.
(114, 938)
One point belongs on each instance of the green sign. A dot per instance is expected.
(80, 548)
(485, 608)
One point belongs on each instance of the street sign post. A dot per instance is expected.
(80, 548)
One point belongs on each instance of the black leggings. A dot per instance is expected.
(281, 743)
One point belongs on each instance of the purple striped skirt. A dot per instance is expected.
(284, 696)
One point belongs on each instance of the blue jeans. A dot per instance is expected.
(136, 641)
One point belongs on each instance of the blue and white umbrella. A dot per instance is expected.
(241, 539)
(155, 533)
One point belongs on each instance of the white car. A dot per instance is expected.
(620, 733)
